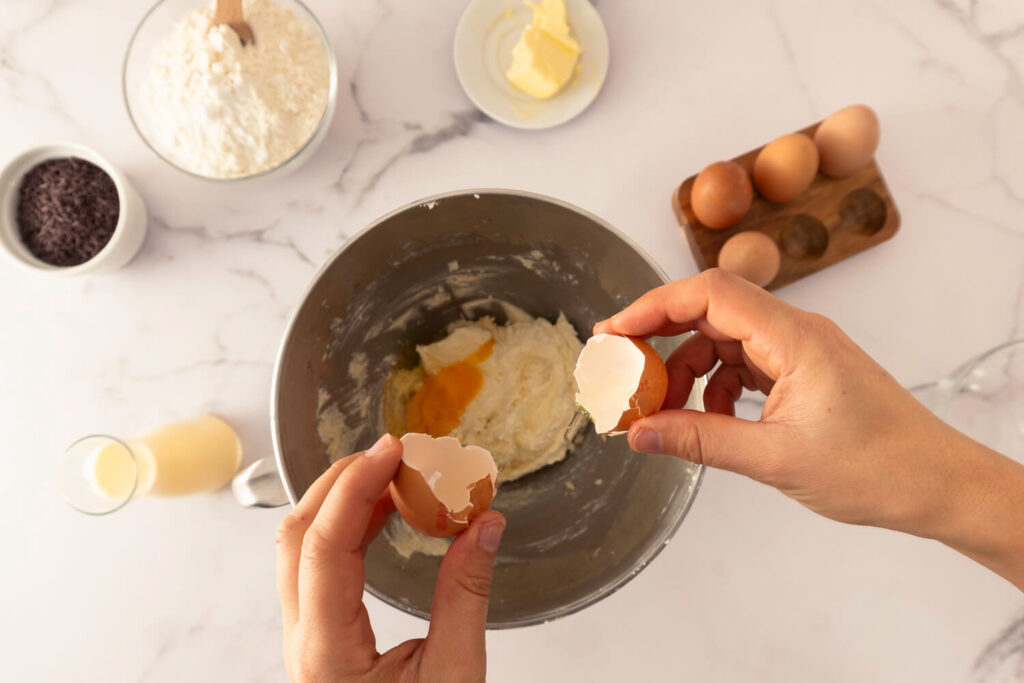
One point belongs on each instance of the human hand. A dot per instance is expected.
(320, 575)
(837, 432)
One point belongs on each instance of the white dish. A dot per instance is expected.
(484, 38)
(129, 233)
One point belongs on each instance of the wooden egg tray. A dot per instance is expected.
(831, 220)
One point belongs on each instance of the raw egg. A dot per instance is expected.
(847, 140)
(442, 485)
(619, 380)
(752, 255)
(785, 167)
(438, 405)
(721, 194)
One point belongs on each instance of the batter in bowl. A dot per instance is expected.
(507, 388)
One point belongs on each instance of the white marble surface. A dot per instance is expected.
(753, 587)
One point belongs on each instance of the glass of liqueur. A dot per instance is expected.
(99, 474)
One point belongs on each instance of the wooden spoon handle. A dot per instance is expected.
(228, 12)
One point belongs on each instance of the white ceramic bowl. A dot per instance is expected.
(484, 38)
(129, 233)
(154, 28)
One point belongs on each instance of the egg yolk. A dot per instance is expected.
(437, 406)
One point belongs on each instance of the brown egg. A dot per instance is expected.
(442, 485)
(721, 194)
(752, 255)
(847, 140)
(785, 167)
(619, 380)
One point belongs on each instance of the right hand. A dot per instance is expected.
(837, 432)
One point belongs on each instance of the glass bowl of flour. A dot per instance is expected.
(220, 110)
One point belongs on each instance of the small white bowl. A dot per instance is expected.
(484, 38)
(129, 233)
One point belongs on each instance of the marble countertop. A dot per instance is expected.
(753, 587)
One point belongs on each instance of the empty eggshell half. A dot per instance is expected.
(619, 380)
(442, 485)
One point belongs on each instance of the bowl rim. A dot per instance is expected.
(325, 117)
(26, 160)
(652, 551)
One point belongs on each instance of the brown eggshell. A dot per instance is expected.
(422, 509)
(650, 395)
(785, 167)
(721, 194)
(847, 140)
(752, 255)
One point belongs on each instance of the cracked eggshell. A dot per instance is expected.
(619, 380)
(442, 485)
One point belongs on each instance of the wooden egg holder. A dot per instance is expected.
(830, 221)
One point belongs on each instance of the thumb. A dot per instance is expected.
(722, 441)
(459, 612)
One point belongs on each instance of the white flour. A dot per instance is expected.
(226, 111)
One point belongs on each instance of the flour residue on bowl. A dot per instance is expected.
(331, 426)
(406, 541)
(342, 422)
(537, 261)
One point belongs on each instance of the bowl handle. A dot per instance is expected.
(259, 485)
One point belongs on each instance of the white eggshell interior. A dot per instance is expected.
(608, 375)
(449, 468)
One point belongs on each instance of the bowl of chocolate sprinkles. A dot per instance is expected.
(64, 209)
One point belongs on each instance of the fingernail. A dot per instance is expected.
(490, 535)
(378, 448)
(647, 441)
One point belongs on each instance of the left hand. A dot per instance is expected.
(320, 575)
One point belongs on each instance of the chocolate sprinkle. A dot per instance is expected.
(67, 211)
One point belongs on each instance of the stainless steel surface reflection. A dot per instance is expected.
(400, 283)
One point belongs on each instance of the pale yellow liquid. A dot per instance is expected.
(177, 459)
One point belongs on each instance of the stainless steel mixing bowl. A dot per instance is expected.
(577, 530)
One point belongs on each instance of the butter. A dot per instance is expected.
(545, 57)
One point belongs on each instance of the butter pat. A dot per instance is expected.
(544, 58)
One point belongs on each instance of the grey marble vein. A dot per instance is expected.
(254, 276)
(944, 203)
(172, 640)
(1017, 330)
(461, 124)
(24, 82)
(1003, 658)
(206, 364)
(794, 65)
(254, 236)
(379, 130)
(931, 60)
(992, 40)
